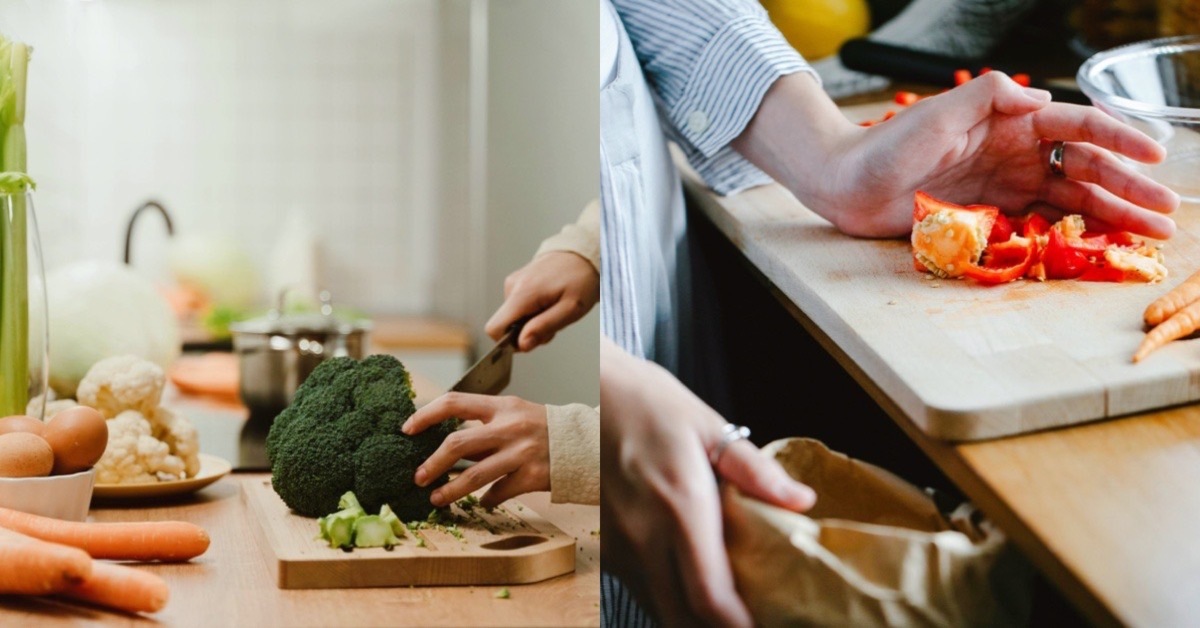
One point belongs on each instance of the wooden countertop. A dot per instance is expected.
(1108, 510)
(233, 584)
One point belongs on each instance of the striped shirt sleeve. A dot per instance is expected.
(709, 63)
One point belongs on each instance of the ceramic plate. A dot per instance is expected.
(212, 469)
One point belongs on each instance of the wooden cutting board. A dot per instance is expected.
(964, 361)
(511, 545)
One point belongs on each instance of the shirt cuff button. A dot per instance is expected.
(697, 122)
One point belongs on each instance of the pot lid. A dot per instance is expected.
(325, 321)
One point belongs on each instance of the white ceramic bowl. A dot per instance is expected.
(1155, 86)
(59, 496)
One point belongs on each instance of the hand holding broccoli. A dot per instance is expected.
(512, 447)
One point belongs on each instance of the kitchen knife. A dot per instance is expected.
(491, 373)
(917, 66)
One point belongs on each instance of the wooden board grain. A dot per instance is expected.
(511, 545)
(965, 361)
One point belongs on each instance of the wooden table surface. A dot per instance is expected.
(1109, 511)
(233, 584)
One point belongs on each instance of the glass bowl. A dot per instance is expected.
(1154, 85)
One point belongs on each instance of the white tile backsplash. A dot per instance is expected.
(234, 114)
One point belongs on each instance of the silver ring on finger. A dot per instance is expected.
(1056, 158)
(730, 434)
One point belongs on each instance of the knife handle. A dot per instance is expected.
(917, 66)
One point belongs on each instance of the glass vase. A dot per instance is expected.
(24, 342)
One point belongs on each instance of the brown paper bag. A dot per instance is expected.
(874, 551)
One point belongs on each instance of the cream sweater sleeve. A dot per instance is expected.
(574, 453)
(581, 237)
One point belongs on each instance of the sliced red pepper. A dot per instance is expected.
(1021, 79)
(1061, 260)
(961, 76)
(1035, 225)
(1002, 230)
(1003, 274)
(924, 204)
(1007, 253)
(906, 98)
(1103, 272)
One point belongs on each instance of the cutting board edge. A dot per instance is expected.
(554, 557)
(515, 570)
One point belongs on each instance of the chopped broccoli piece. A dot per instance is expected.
(502, 594)
(373, 531)
(338, 528)
(398, 527)
(342, 433)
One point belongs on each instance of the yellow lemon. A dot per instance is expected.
(818, 28)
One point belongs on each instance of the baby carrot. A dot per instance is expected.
(123, 588)
(1174, 300)
(140, 540)
(34, 567)
(1180, 324)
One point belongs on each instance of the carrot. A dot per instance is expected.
(1174, 300)
(34, 567)
(121, 587)
(1180, 324)
(134, 540)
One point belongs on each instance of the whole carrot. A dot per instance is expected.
(1180, 324)
(34, 567)
(1173, 300)
(120, 587)
(134, 540)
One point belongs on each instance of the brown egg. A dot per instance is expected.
(21, 423)
(25, 455)
(78, 437)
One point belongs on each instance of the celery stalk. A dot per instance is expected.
(14, 262)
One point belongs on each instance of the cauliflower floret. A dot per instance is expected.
(134, 456)
(124, 382)
(180, 435)
(52, 407)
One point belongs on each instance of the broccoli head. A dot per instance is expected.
(342, 433)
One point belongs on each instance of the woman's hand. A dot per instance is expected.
(660, 507)
(511, 447)
(557, 288)
(987, 142)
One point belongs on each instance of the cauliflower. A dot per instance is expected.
(39, 406)
(146, 442)
(180, 435)
(134, 456)
(124, 382)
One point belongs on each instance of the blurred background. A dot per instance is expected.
(403, 155)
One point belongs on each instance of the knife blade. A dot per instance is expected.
(492, 372)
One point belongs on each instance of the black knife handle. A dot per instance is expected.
(902, 64)
(917, 66)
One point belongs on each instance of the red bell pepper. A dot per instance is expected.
(1002, 230)
(1061, 260)
(992, 272)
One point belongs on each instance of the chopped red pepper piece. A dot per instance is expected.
(1103, 272)
(984, 70)
(1003, 274)
(1002, 230)
(906, 98)
(1061, 260)
(1035, 225)
(1021, 79)
(961, 76)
